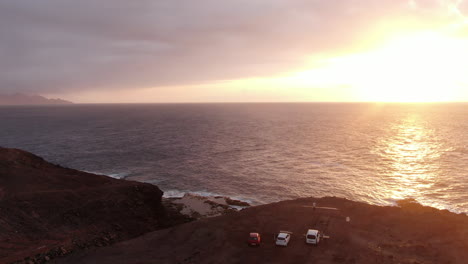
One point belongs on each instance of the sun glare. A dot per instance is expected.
(421, 67)
(425, 67)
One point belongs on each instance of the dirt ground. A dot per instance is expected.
(407, 234)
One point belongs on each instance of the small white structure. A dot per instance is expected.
(313, 236)
(283, 238)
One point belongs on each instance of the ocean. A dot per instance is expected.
(260, 153)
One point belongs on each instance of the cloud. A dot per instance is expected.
(59, 46)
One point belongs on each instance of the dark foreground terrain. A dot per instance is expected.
(58, 215)
(407, 234)
(48, 211)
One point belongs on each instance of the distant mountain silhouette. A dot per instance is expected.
(23, 99)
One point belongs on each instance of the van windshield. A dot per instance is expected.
(311, 236)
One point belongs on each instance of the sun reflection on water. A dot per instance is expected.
(412, 153)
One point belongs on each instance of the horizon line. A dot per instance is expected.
(243, 102)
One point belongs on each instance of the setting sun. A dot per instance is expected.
(425, 67)
(421, 67)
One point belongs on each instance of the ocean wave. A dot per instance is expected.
(180, 194)
(173, 194)
(424, 202)
(117, 175)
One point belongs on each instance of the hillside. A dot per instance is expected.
(23, 99)
(48, 211)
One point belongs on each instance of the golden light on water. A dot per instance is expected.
(413, 155)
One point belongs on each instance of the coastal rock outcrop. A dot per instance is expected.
(197, 207)
(48, 211)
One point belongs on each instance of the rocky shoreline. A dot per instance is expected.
(197, 207)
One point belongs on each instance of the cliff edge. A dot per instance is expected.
(48, 211)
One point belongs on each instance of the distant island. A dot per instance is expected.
(24, 99)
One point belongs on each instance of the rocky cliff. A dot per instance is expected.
(47, 210)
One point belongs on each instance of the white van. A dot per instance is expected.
(313, 236)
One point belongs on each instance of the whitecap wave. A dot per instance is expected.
(117, 175)
(173, 194)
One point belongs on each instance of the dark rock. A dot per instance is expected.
(230, 201)
(44, 204)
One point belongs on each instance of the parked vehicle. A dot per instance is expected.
(313, 236)
(283, 238)
(254, 239)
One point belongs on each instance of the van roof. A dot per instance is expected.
(312, 232)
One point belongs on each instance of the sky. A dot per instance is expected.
(120, 51)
